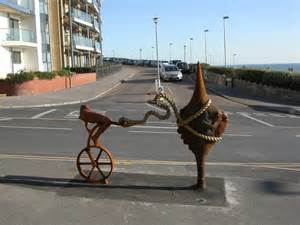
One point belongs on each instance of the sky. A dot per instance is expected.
(258, 31)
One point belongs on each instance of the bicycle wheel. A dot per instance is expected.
(95, 164)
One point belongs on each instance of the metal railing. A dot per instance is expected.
(25, 4)
(97, 46)
(107, 69)
(96, 4)
(24, 35)
(82, 15)
(83, 41)
(96, 25)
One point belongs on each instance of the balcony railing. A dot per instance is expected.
(98, 46)
(96, 4)
(21, 35)
(96, 25)
(24, 6)
(82, 15)
(83, 41)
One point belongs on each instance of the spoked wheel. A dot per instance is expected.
(95, 164)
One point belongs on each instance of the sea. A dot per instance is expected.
(278, 67)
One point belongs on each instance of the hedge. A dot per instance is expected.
(23, 76)
(266, 77)
(82, 69)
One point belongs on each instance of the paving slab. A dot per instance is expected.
(43, 191)
(131, 187)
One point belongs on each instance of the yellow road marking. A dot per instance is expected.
(278, 165)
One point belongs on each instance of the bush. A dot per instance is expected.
(221, 70)
(82, 69)
(23, 76)
(45, 75)
(20, 77)
(271, 78)
(63, 73)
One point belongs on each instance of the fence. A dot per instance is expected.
(104, 70)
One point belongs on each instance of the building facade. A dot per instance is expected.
(81, 29)
(48, 35)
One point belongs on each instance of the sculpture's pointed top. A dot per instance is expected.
(200, 94)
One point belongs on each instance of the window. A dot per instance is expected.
(16, 57)
(14, 32)
(13, 23)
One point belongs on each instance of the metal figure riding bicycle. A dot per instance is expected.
(200, 124)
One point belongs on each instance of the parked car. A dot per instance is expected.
(183, 66)
(170, 72)
(174, 62)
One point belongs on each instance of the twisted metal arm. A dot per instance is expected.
(163, 101)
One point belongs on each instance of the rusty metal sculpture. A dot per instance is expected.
(94, 162)
(200, 123)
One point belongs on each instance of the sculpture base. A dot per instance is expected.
(157, 189)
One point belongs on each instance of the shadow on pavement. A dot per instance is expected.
(130, 187)
(274, 108)
(138, 81)
(277, 188)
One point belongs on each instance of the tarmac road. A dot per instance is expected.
(252, 136)
(253, 174)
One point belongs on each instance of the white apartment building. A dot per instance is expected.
(20, 36)
(46, 35)
(25, 40)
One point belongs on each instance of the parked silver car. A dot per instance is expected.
(170, 72)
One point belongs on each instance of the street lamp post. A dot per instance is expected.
(141, 53)
(225, 18)
(191, 59)
(152, 52)
(155, 19)
(184, 53)
(205, 31)
(211, 59)
(170, 51)
(233, 59)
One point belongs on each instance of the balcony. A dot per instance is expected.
(83, 43)
(17, 37)
(98, 47)
(17, 6)
(96, 26)
(82, 18)
(96, 5)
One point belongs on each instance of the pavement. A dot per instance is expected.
(252, 101)
(253, 175)
(89, 92)
(48, 192)
(70, 96)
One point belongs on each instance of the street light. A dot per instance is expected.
(211, 59)
(141, 52)
(184, 53)
(170, 50)
(225, 18)
(152, 52)
(233, 59)
(155, 20)
(205, 31)
(191, 59)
